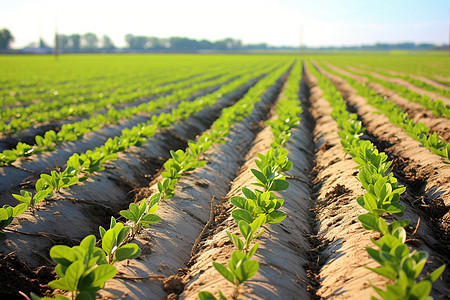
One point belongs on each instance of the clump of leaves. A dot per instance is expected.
(142, 215)
(7, 215)
(114, 243)
(83, 270)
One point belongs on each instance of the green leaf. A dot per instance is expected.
(63, 254)
(420, 290)
(260, 176)
(151, 218)
(276, 217)
(237, 242)
(279, 185)
(249, 194)
(239, 201)
(128, 215)
(246, 270)
(224, 272)
(73, 275)
(245, 228)
(109, 241)
(435, 274)
(206, 296)
(240, 214)
(385, 271)
(19, 209)
(134, 209)
(102, 231)
(369, 221)
(252, 251)
(127, 251)
(103, 273)
(88, 243)
(59, 284)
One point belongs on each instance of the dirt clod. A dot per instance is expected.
(173, 284)
(16, 277)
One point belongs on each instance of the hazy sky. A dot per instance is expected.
(324, 22)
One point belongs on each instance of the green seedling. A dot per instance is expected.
(401, 266)
(114, 243)
(82, 270)
(142, 215)
(240, 268)
(255, 204)
(7, 215)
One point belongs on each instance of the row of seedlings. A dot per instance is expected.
(261, 206)
(438, 107)
(381, 198)
(420, 83)
(75, 131)
(418, 131)
(16, 119)
(414, 164)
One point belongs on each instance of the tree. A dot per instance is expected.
(183, 44)
(137, 42)
(75, 38)
(107, 43)
(91, 40)
(42, 43)
(5, 38)
(205, 44)
(63, 41)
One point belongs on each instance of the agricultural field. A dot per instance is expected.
(224, 177)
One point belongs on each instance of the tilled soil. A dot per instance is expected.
(318, 251)
(405, 83)
(415, 111)
(426, 176)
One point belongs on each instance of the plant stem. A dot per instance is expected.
(235, 292)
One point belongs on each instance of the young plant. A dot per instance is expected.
(382, 196)
(82, 270)
(114, 243)
(142, 215)
(240, 269)
(7, 215)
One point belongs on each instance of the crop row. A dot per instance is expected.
(25, 117)
(83, 90)
(83, 78)
(420, 83)
(382, 197)
(438, 107)
(418, 131)
(74, 131)
(261, 206)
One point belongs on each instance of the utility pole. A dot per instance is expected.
(301, 38)
(56, 50)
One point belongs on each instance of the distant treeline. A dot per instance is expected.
(385, 47)
(90, 42)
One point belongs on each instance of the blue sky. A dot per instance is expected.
(322, 22)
